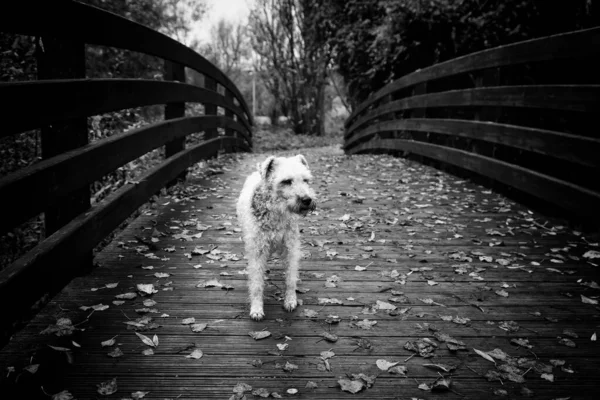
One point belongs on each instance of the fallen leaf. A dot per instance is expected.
(109, 342)
(398, 370)
(258, 335)
(115, 353)
(485, 355)
(351, 386)
(311, 385)
(366, 324)
(289, 367)
(196, 354)
(108, 387)
(32, 369)
(309, 313)
(261, 392)
(587, 300)
(441, 367)
(210, 283)
(147, 341)
(126, 296)
(382, 305)
(64, 395)
(591, 254)
(241, 387)
(324, 301)
(198, 327)
(330, 337)
(441, 385)
(385, 365)
(146, 288)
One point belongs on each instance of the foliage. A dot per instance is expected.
(292, 58)
(375, 43)
(267, 140)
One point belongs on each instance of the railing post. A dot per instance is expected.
(229, 114)
(486, 78)
(174, 72)
(63, 59)
(420, 88)
(210, 109)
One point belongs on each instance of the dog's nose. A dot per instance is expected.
(306, 200)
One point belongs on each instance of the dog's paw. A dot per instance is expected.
(257, 314)
(290, 303)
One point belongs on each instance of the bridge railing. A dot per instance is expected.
(59, 103)
(523, 114)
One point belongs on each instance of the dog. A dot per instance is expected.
(268, 209)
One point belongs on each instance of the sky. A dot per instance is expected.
(232, 10)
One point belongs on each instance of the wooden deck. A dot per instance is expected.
(452, 257)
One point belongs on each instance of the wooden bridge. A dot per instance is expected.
(415, 283)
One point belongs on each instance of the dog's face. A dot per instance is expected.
(288, 180)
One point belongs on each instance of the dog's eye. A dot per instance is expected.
(286, 182)
(307, 181)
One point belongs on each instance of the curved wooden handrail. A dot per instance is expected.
(73, 240)
(579, 98)
(96, 26)
(85, 97)
(30, 189)
(576, 199)
(577, 149)
(496, 113)
(560, 46)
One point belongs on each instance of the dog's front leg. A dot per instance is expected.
(292, 246)
(257, 262)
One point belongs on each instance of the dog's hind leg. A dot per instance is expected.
(292, 248)
(257, 262)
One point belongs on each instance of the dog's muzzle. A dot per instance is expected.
(306, 204)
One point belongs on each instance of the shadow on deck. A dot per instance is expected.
(397, 255)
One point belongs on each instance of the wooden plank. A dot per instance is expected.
(555, 47)
(69, 19)
(580, 201)
(30, 274)
(574, 98)
(29, 190)
(577, 149)
(62, 99)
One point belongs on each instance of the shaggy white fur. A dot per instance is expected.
(272, 199)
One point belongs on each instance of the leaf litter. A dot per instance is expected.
(502, 366)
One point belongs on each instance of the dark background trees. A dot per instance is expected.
(377, 42)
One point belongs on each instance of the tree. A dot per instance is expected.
(171, 17)
(228, 48)
(375, 43)
(292, 58)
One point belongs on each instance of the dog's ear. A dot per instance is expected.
(302, 160)
(266, 168)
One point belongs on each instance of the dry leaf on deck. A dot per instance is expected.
(485, 355)
(259, 335)
(107, 388)
(196, 354)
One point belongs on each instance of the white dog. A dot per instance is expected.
(271, 201)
